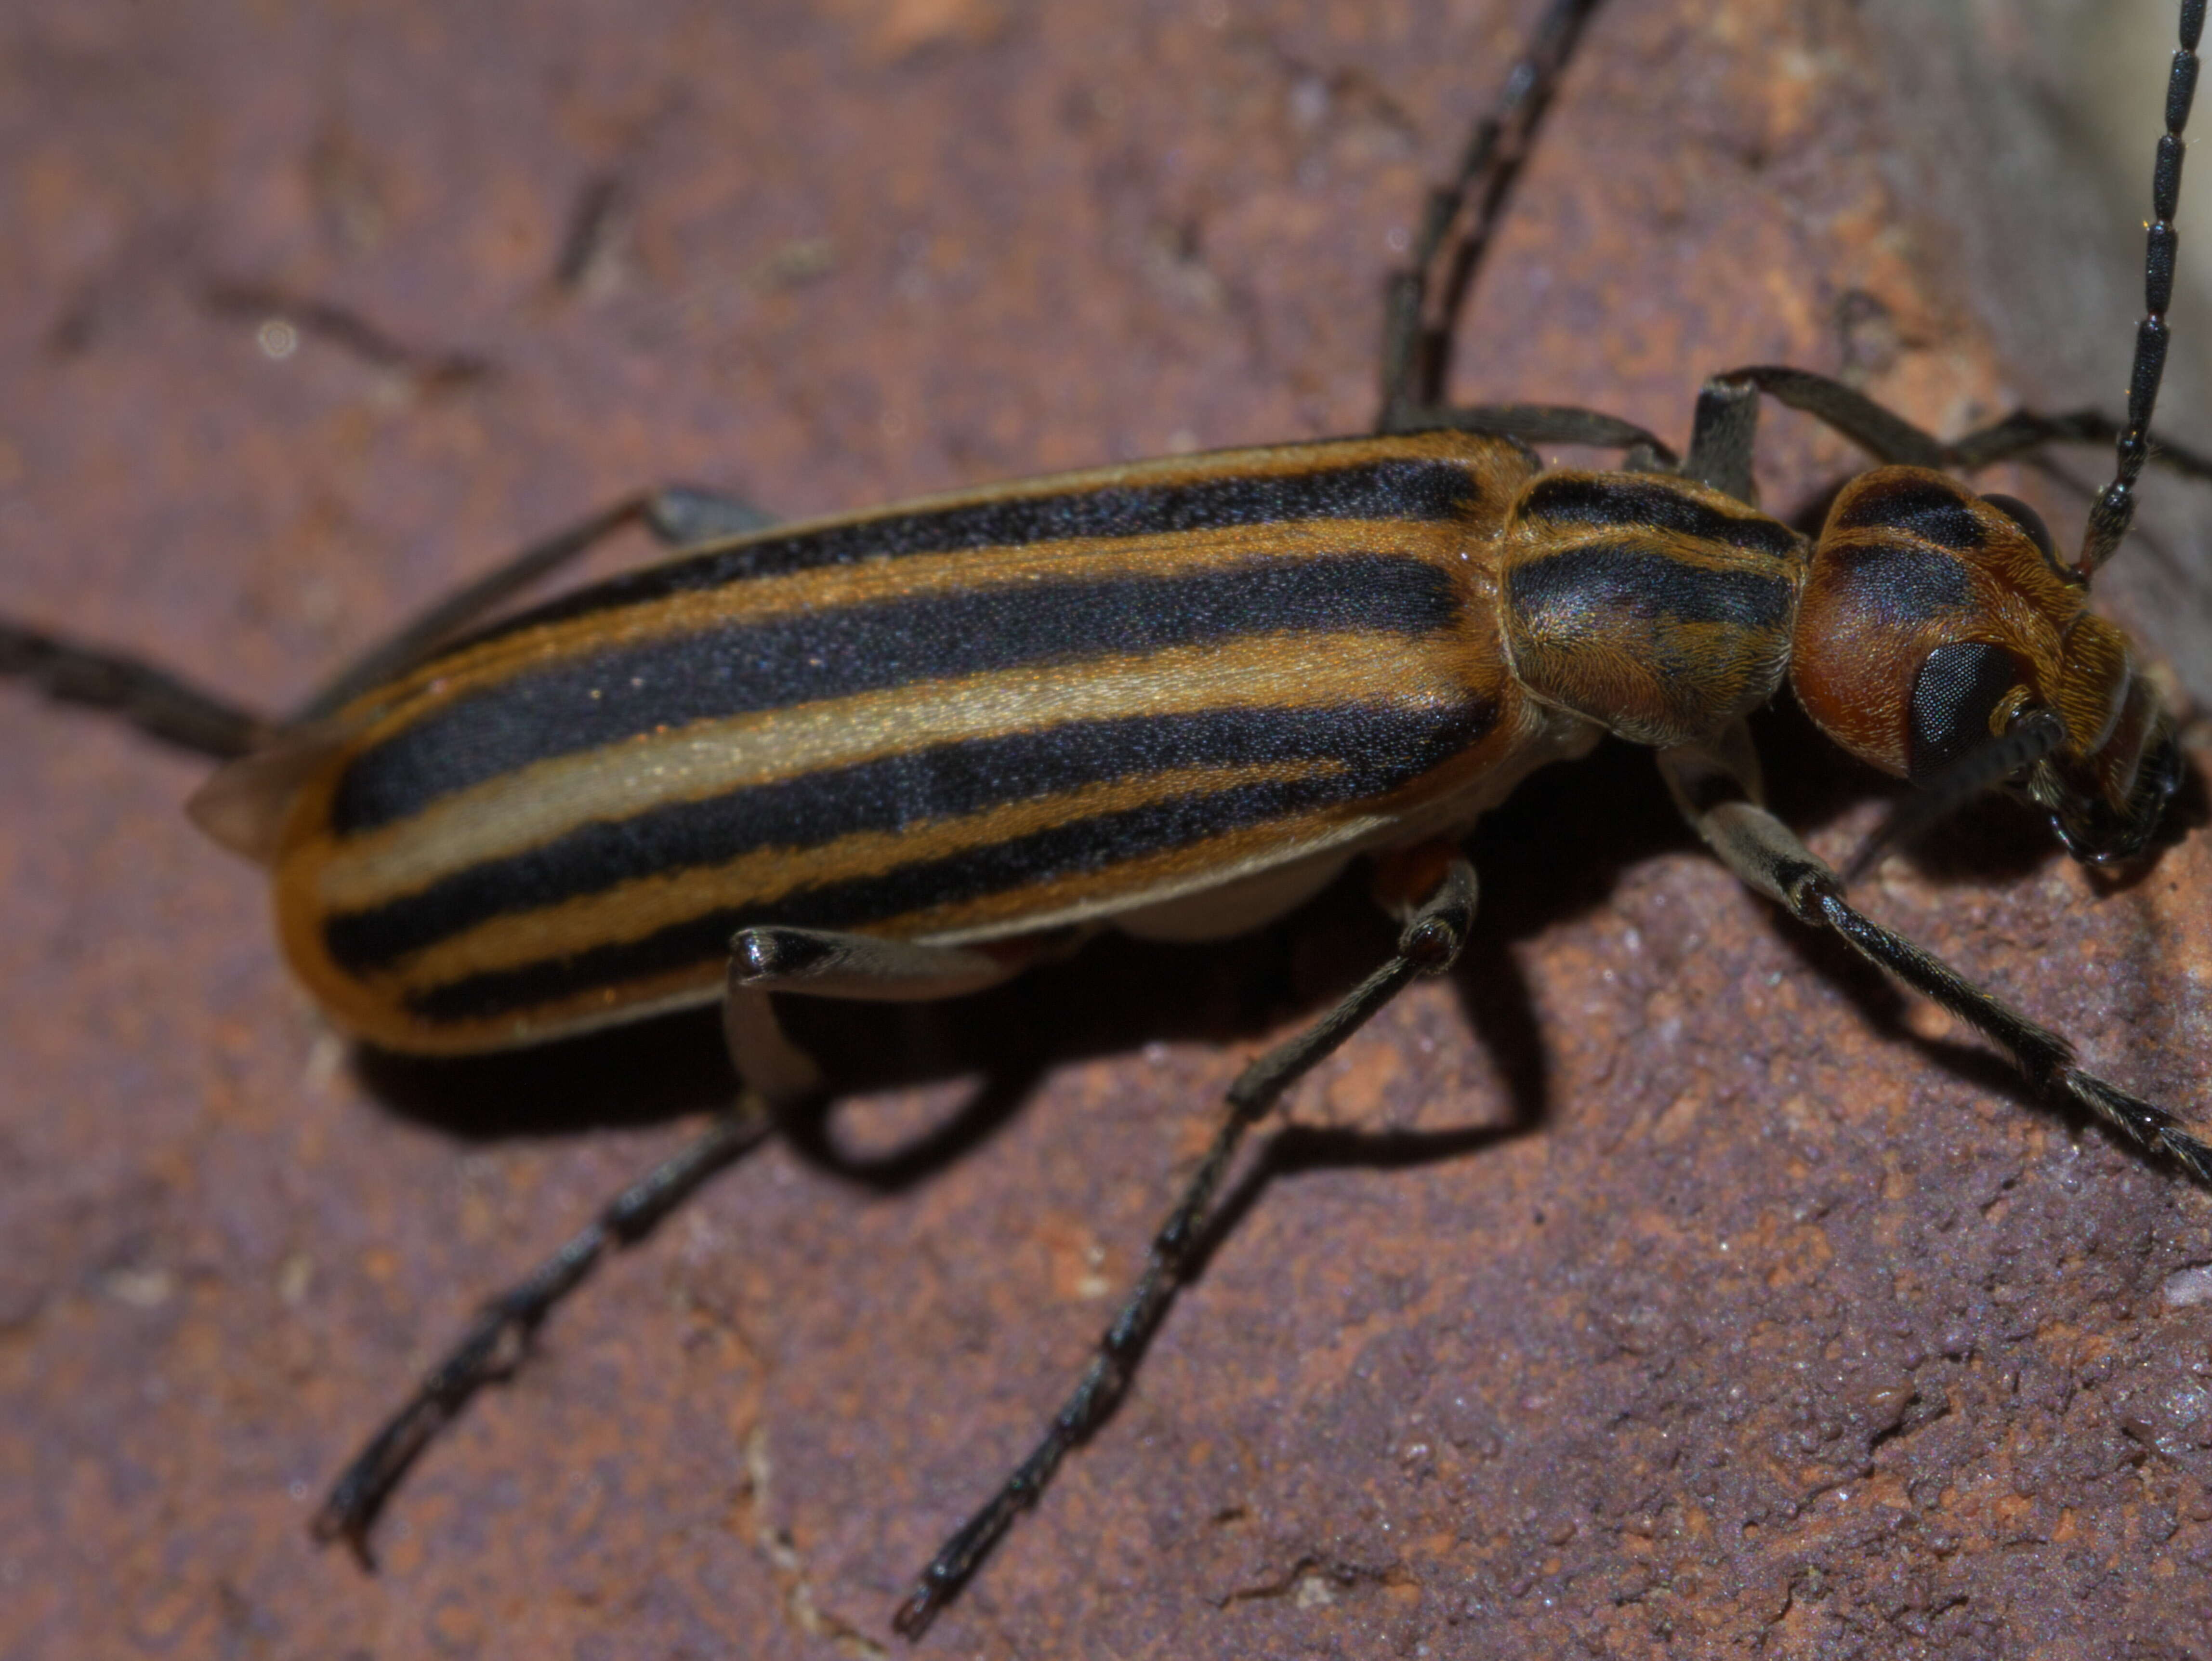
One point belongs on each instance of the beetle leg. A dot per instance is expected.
(1722, 435)
(496, 1341)
(1891, 438)
(1542, 423)
(1459, 221)
(1720, 439)
(1881, 432)
(174, 710)
(678, 514)
(684, 515)
(1430, 942)
(829, 965)
(153, 700)
(2023, 432)
(1767, 856)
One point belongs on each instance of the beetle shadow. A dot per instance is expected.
(1294, 1149)
(975, 1060)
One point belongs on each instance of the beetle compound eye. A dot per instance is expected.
(2028, 521)
(1956, 691)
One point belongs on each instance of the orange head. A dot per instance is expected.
(1940, 639)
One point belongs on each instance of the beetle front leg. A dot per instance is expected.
(1767, 856)
(1429, 945)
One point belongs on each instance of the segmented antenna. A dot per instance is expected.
(2116, 509)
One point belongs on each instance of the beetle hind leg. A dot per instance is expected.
(1429, 945)
(496, 1341)
(164, 706)
(155, 702)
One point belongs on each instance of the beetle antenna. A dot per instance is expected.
(2116, 509)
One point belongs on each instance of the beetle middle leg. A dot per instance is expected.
(1429, 945)
(1719, 797)
(823, 963)
(1460, 220)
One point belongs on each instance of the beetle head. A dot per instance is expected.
(1941, 640)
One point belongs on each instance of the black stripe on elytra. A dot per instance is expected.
(1088, 845)
(1406, 488)
(1376, 748)
(1567, 591)
(1630, 502)
(583, 703)
(1927, 505)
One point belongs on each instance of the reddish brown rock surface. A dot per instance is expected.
(1768, 1312)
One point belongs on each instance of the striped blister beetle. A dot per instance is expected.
(907, 754)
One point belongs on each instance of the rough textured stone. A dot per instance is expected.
(1662, 1284)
